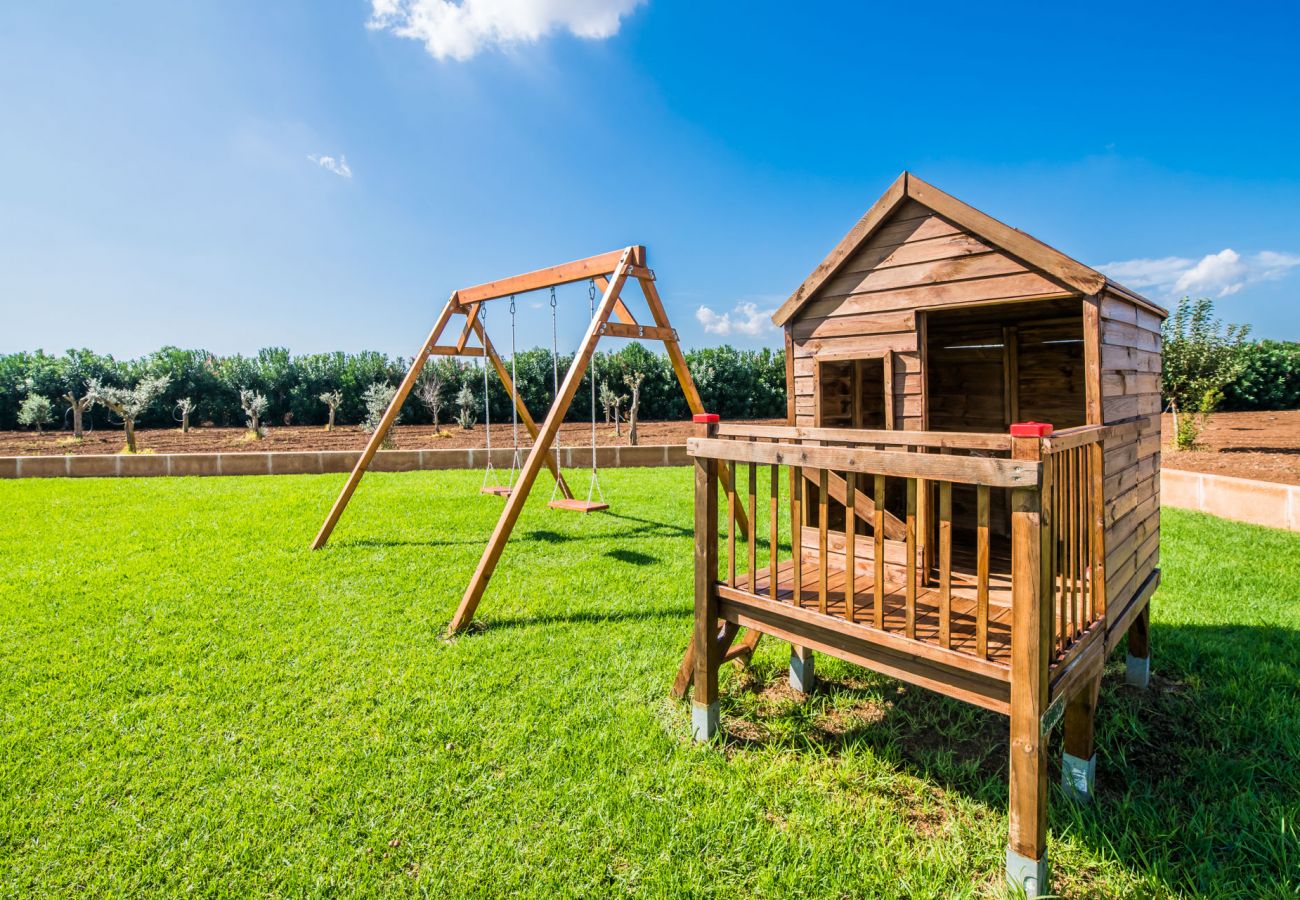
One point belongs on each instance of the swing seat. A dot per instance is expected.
(499, 490)
(576, 505)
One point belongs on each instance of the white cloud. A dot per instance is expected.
(1220, 274)
(330, 164)
(746, 319)
(451, 30)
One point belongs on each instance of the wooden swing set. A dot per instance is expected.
(608, 273)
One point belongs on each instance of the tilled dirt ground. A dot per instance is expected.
(345, 437)
(1262, 445)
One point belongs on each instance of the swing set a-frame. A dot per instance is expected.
(608, 272)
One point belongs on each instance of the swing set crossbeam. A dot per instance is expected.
(609, 272)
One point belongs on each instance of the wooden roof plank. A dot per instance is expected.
(1033, 252)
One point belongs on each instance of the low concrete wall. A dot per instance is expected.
(316, 462)
(1241, 499)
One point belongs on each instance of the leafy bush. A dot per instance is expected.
(1269, 377)
(35, 412)
(1202, 356)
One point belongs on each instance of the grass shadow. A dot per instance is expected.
(583, 617)
(632, 557)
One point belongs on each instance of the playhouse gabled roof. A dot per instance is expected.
(1029, 250)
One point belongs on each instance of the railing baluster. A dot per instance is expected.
(1096, 489)
(753, 537)
(823, 485)
(731, 524)
(945, 564)
(878, 542)
(774, 543)
(982, 570)
(850, 545)
(796, 532)
(910, 621)
(1076, 555)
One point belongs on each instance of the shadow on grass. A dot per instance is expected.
(588, 617)
(632, 557)
(1197, 790)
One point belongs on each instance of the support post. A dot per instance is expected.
(803, 674)
(1138, 669)
(1031, 632)
(536, 456)
(704, 644)
(385, 423)
(1079, 754)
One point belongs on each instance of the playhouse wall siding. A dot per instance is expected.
(1130, 396)
(915, 260)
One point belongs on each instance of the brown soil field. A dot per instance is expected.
(1262, 445)
(344, 437)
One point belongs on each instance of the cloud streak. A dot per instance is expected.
(459, 31)
(745, 319)
(338, 166)
(1218, 274)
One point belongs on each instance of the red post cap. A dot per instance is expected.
(705, 418)
(1031, 429)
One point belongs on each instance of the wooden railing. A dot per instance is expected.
(1073, 495)
(911, 549)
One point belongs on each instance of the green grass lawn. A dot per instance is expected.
(193, 703)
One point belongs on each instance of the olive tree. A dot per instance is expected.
(129, 403)
(254, 406)
(332, 399)
(185, 406)
(633, 381)
(428, 390)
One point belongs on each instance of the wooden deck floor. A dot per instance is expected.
(961, 627)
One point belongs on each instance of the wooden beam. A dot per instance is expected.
(639, 332)
(552, 276)
(541, 447)
(448, 350)
(945, 671)
(951, 440)
(863, 506)
(961, 469)
(471, 316)
(621, 312)
(381, 431)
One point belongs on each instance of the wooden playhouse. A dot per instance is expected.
(946, 535)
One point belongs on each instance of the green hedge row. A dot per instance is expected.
(733, 383)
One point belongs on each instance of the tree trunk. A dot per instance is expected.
(130, 434)
(329, 426)
(185, 423)
(76, 415)
(632, 412)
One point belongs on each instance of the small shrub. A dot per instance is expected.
(467, 402)
(35, 412)
(377, 398)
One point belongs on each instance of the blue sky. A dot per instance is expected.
(321, 175)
